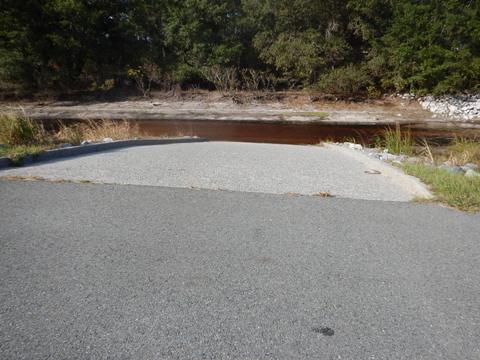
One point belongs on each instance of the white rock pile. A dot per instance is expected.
(380, 154)
(465, 107)
(469, 170)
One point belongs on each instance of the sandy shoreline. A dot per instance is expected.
(295, 109)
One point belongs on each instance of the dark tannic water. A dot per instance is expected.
(283, 133)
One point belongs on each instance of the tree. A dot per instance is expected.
(68, 43)
(300, 38)
(202, 33)
(434, 46)
(349, 45)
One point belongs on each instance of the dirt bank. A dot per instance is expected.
(291, 108)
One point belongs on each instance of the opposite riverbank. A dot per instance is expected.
(261, 107)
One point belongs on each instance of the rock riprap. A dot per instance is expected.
(466, 107)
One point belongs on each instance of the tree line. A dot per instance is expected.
(334, 46)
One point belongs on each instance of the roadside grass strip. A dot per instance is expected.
(455, 190)
(19, 152)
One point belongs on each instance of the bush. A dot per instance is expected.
(19, 130)
(348, 80)
(184, 74)
(145, 76)
(224, 78)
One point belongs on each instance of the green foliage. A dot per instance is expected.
(434, 46)
(184, 73)
(300, 38)
(70, 43)
(368, 45)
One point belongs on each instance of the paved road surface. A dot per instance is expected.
(266, 168)
(129, 272)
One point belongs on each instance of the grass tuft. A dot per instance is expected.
(456, 190)
(19, 130)
(463, 151)
(398, 141)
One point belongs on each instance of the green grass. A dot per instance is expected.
(455, 190)
(17, 153)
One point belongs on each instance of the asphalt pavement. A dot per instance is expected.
(136, 272)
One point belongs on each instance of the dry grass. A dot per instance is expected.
(116, 130)
(21, 136)
(323, 194)
(426, 151)
(20, 130)
(22, 178)
(40, 178)
(298, 101)
(459, 152)
(463, 151)
(96, 131)
(71, 134)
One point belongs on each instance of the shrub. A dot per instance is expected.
(349, 80)
(224, 78)
(145, 76)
